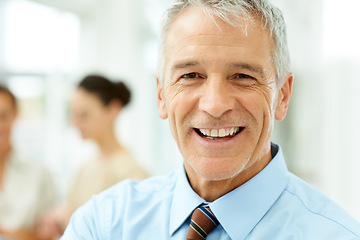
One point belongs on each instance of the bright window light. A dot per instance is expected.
(39, 38)
(27, 86)
(341, 36)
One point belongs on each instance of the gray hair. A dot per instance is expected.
(228, 10)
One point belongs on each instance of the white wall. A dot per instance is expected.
(321, 132)
(116, 42)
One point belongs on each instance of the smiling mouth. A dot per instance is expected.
(216, 134)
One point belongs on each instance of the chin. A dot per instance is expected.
(217, 171)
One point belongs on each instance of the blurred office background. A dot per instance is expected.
(46, 46)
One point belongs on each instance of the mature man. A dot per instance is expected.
(223, 78)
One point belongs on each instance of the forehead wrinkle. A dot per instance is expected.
(217, 40)
(185, 64)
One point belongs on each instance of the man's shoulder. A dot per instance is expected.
(317, 209)
(129, 201)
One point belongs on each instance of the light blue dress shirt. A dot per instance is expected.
(273, 205)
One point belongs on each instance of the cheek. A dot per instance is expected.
(176, 91)
(259, 103)
(98, 124)
(263, 99)
(91, 123)
(6, 125)
(179, 103)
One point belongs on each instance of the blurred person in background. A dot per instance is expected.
(95, 107)
(26, 189)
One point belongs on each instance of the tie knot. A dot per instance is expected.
(202, 223)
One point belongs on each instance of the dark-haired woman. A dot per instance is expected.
(95, 107)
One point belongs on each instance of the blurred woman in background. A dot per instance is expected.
(95, 107)
(26, 188)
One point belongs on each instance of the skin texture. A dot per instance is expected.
(219, 77)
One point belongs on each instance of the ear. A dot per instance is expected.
(115, 107)
(161, 100)
(283, 99)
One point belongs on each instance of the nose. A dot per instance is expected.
(216, 99)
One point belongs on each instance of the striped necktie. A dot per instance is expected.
(202, 223)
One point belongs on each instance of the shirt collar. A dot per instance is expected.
(245, 205)
(185, 200)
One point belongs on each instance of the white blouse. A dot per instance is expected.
(27, 193)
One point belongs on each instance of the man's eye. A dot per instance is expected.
(242, 76)
(190, 75)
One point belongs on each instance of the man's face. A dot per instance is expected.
(219, 94)
(7, 118)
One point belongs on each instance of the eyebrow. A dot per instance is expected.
(251, 67)
(185, 64)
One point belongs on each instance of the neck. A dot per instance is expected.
(109, 145)
(211, 190)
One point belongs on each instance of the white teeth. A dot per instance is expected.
(214, 133)
(219, 133)
(222, 133)
(207, 132)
